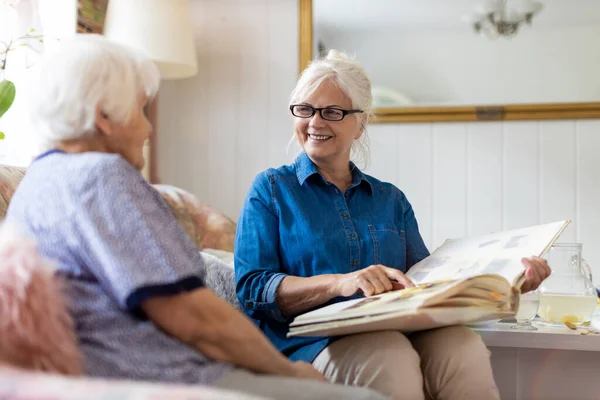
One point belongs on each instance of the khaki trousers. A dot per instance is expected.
(446, 364)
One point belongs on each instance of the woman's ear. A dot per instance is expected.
(362, 123)
(360, 132)
(102, 122)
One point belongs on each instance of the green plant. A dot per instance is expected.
(7, 96)
(8, 90)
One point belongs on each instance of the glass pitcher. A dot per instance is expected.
(568, 294)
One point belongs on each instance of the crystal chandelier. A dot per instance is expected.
(495, 19)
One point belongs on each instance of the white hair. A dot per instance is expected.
(350, 77)
(81, 74)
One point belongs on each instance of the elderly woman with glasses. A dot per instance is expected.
(135, 281)
(320, 231)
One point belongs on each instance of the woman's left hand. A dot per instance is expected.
(536, 270)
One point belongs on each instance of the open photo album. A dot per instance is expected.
(464, 281)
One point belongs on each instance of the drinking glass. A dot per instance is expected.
(528, 308)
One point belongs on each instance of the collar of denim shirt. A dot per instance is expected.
(305, 168)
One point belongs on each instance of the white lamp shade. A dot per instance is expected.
(162, 29)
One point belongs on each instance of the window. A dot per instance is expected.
(18, 18)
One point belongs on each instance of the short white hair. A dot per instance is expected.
(81, 74)
(350, 77)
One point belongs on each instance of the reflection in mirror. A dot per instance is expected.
(467, 52)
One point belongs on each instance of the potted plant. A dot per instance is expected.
(7, 96)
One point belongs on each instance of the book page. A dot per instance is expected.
(490, 291)
(403, 321)
(406, 299)
(495, 253)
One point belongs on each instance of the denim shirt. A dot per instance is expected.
(294, 222)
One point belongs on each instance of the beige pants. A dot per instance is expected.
(445, 363)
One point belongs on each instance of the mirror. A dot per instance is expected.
(465, 60)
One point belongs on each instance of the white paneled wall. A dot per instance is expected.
(473, 178)
(221, 128)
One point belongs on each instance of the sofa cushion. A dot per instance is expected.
(220, 275)
(209, 227)
(16, 384)
(9, 180)
(36, 330)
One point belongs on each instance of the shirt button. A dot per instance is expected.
(344, 215)
(354, 263)
(353, 235)
(347, 194)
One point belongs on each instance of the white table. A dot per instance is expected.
(550, 363)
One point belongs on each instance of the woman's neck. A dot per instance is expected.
(339, 174)
(93, 143)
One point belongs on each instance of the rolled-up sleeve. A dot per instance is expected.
(415, 246)
(257, 263)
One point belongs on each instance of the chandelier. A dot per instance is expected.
(495, 19)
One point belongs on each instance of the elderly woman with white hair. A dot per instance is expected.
(320, 231)
(134, 280)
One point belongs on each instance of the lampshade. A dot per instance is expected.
(162, 29)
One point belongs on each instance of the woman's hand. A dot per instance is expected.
(536, 270)
(372, 280)
(306, 371)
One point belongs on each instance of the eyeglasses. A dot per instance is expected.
(327, 113)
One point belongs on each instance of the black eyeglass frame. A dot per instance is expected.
(320, 110)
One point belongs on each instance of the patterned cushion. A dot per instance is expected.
(9, 179)
(36, 330)
(209, 227)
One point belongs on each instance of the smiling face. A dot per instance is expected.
(328, 142)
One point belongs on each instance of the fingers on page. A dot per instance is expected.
(399, 277)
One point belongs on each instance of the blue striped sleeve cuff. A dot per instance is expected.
(134, 300)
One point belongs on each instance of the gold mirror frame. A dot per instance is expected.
(510, 112)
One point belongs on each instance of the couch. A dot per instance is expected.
(211, 230)
(207, 226)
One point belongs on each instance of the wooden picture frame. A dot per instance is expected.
(501, 112)
(91, 15)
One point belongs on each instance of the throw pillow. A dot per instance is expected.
(207, 226)
(36, 330)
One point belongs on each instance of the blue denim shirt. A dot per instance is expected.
(294, 222)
